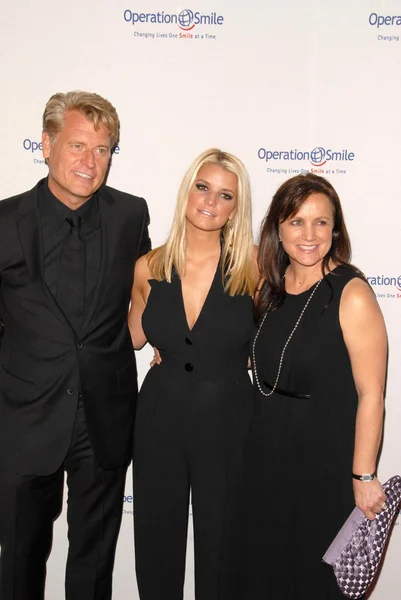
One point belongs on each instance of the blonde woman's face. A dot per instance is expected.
(212, 200)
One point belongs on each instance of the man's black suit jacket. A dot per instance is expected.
(44, 365)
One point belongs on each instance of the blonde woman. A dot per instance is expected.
(192, 299)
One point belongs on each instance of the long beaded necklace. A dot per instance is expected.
(261, 390)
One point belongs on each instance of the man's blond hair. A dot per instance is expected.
(92, 106)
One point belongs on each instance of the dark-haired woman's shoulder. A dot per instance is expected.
(357, 294)
(348, 272)
(340, 276)
(363, 328)
(355, 291)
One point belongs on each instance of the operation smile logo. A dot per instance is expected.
(386, 286)
(385, 21)
(35, 148)
(318, 157)
(186, 20)
(128, 505)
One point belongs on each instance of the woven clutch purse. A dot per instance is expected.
(358, 547)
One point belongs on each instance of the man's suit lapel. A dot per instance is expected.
(30, 237)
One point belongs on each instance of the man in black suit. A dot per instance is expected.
(68, 380)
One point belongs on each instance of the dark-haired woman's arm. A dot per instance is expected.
(365, 336)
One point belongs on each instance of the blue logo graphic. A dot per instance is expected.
(31, 145)
(185, 19)
(317, 157)
(34, 146)
(385, 281)
(379, 20)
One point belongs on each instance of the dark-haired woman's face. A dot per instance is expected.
(307, 235)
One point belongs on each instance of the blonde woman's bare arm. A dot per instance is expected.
(139, 295)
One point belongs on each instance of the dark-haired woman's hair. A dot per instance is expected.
(272, 258)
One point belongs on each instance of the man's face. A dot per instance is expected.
(78, 159)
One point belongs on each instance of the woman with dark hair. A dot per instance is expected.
(319, 364)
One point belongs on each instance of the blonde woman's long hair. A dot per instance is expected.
(238, 270)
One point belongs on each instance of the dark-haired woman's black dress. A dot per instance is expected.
(193, 417)
(298, 466)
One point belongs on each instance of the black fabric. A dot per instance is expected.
(192, 421)
(71, 278)
(281, 392)
(43, 363)
(298, 487)
(45, 425)
(95, 499)
(56, 230)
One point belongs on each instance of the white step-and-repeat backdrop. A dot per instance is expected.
(288, 85)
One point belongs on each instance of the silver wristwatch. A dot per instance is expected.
(365, 477)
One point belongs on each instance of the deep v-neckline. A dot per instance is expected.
(205, 302)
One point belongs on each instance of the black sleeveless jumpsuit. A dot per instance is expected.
(193, 416)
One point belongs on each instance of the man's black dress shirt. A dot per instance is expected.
(55, 229)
